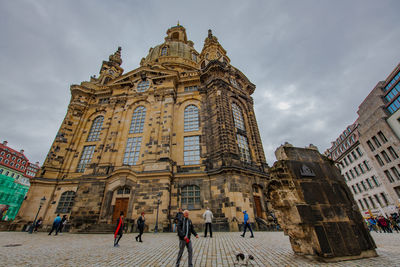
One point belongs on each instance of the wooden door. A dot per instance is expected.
(121, 204)
(257, 202)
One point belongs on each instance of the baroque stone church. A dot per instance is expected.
(179, 131)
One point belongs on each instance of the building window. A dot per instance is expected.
(372, 202)
(123, 190)
(132, 150)
(352, 174)
(375, 179)
(164, 51)
(380, 161)
(191, 118)
(354, 155)
(66, 202)
(345, 161)
(7, 172)
(6, 161)
(361, 204)
(238, 117)
(356, 170)
(378, 200)
(361, 168)
(367, 165)
(371, 146)
(363, 185)
(397, 190)
(138, 118)
(194, 57)
(376, 141)
(393, 152)
(104, 100)
(86, 157)
(350, 159)
(369, 183)
(2, 153)
(12, 175)
(190, 197)
(366, 203)
(389, 176)
(395, 172)
(96, 129)
(348, 176)
(143, 86)
(384, 199)
(1, 159)
(8, 156)
(382, 137)
(359, 151)
(386, 157)
(1, 171)
(191, 150)
(191, 88)
(358, 187)
(243, 148)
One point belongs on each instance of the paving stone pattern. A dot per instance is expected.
(268, 248)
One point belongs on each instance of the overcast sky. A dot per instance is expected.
(313, 62)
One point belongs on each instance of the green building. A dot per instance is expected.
(12, 193)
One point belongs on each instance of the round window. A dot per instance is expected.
(143, 86)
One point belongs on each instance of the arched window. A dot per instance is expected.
(238, 117)
(123, 190)
(96, 129)
(66, 202)
(190, 197)
(143, 86)
(243, 148)
(191, 118)
(164, 51)
(138, 117)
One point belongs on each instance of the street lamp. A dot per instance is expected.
(158, 204)
(34, 221)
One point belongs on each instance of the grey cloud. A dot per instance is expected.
(313, 62)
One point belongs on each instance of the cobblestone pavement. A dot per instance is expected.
(268, 248)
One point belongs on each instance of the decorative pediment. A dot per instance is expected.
(142, 73)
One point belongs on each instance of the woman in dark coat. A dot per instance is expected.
(119, 229)
(140, 224)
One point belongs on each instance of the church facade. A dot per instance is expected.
(179, 131)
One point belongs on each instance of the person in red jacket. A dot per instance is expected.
(119, 229)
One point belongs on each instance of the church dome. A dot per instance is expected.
(175, 50)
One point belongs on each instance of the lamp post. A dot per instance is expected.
(34, 221)
(158, 205)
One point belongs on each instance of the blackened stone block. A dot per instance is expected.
(305, 213)
(323, 240)
(312, 193)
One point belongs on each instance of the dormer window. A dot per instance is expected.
(194, 57)
(164, 51)
(143, 86)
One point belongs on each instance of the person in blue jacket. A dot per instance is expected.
(56, 223)
(247, 224)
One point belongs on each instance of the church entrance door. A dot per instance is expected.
(121, 204)
(257, 202)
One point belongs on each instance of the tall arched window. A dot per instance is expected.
(138, 117)
(191, 121)
(164, 51)
(238, 117)
(96, 129)
(190, 197)
(66, 202)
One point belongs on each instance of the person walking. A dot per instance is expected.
(38, 224)
(61, 225)
(394, 225)
(372, 224)
(208, 216)
(140, 225)
(119, 229)
(178, 218)
(185, 229)
(246, 224)
(56, 223)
